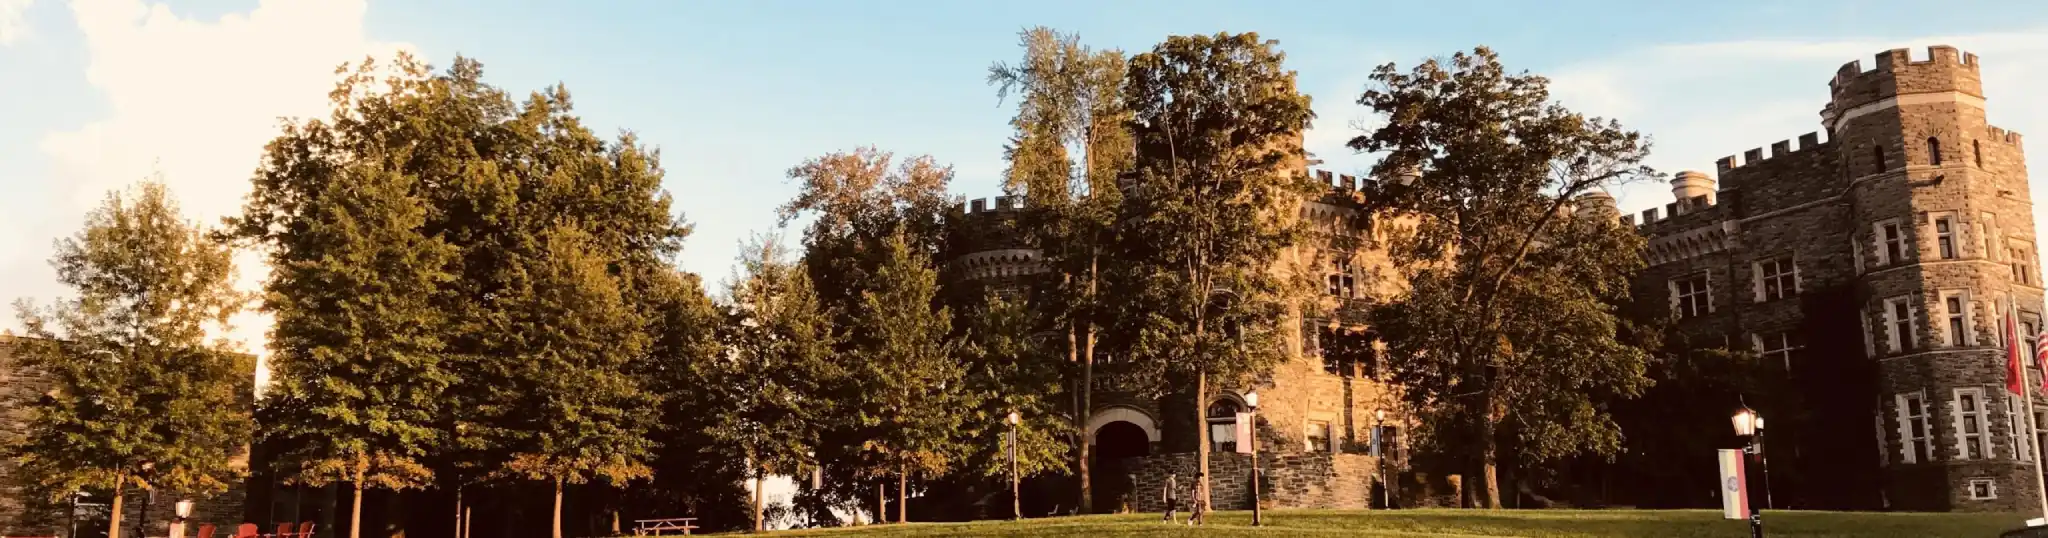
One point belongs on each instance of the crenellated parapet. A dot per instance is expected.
(1896, 78)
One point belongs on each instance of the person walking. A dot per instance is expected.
(1196, 508)
(1170, 494)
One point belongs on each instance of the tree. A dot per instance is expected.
(1009, 371)
(141, 397)
(914, 390)
(580, 414)
(1218, 173)
(357, 375)
(1510, 323)
(1070, 100)
(768, 390)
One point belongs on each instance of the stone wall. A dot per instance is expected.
(1298, 480)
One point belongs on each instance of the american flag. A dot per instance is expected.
(2041, 357)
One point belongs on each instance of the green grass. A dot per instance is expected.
(1454, 523)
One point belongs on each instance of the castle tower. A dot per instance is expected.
(1944, 239)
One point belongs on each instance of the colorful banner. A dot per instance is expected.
(1734, 485)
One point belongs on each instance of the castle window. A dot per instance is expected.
(1341, 279)
(1971, 418)
(1891, 243)
(1933, 151)
(1878, 153)
(1317, 437)
(1915, 442)
(1689, 296)
(2021, 257)
(1777, 346)
(1898, 320)
(1977, 148)
(1945, 236)
(1955, 309)
(1223, 417)
(2022, 432)
(1776, 278)
(1983, 489)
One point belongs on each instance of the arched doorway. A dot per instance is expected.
(1107, 473)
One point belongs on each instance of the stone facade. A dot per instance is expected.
(1291, 480)
(1875, 266)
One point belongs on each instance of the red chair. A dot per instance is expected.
(246, 530)
(205, 530)
(284, 530)
(305, 529)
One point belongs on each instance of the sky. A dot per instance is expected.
(98, 94)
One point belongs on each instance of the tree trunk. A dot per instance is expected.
(1080, 399)
(558, 509)
(458, 510)
(355, 512)
(757, 500)
(1088, 394)
(114, 519)
(903, 494)
(1482, 480)
(882, 504)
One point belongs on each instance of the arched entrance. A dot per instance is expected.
(1107, 474)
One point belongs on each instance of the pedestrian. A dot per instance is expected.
(1170, 494)
(1196, 497)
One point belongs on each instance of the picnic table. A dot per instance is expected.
(655, 527)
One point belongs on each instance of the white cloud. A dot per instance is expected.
(196, 100)
(1705, 101)
(13, 25)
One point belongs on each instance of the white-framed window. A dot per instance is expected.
(1945, 236)
(1856, 252)
(1891, 241)
(1995, 244)
(1776, 278)
(1957, 320)
(1317, 438)
(2022, 432)
(1691, 296)
(1983, 489)
(1869, 338)
(1223, 417)
(1916, 437)
(1884, 449)
(1900, 332)
(2020, 255)
(1972, 422)
(1776, 346)
(1342, 281)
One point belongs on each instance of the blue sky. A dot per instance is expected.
(95, 94)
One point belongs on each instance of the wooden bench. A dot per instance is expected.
(655, 527)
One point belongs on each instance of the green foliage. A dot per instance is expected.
(1512, 317)
(139, 395)
(1217, 122)
(915, 395)
(1010, 371)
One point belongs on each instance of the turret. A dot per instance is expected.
(1694, 191)
(1898, 78)
(1596, 205)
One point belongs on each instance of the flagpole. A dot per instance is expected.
(2012, 312)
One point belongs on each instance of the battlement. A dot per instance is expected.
(2002, 135)
(1778, 149)
(980, 205)
(1337, 182)
(1895, 72)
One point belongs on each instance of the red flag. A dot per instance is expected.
(2015, 375)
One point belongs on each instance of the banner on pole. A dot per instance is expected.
(1734, 485)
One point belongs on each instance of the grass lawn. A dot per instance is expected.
(1532, 523)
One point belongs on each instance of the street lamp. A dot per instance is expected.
(1016, 504)
(1379, 457)
(1251, 400)
(1750, 427)
(183, 509)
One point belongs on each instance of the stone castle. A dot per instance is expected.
(1873, 266)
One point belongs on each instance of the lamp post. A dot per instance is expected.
(183, 509)
(1016, 504)
(1750, 427)
(1379, 456)
(1251, 400)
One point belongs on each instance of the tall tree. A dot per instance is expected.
(915, 397)
(581, 415)
(1510, 323)
(1070, 101)
(357, 370)
(1009, 370)
(1218, 174)
(141, 397)
(769, 389)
